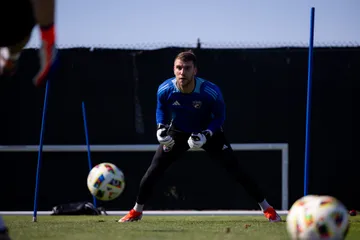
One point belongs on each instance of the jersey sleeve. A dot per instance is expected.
(162, 112)
(218, 109)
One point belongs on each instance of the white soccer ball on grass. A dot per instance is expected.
(317, 217)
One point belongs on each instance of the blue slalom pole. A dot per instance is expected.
(42, 130)
(308, 103)
(87, 142)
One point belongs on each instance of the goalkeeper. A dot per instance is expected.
(197, 112)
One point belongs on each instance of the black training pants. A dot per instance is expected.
(218, 149)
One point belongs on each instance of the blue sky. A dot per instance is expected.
(132, 23)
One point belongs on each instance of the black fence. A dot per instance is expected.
(265, 92)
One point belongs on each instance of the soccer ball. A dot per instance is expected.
(317, 217)
(106, 181)
(295, 211)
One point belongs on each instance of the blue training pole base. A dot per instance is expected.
(87, 143)
(42, 130)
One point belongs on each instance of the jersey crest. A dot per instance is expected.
(197, 104)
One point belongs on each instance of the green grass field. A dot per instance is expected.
(168, 227)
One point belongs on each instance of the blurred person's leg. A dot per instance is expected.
(44, 13)
(3, 230)
(15, 33)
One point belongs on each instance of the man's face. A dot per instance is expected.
(184, 72)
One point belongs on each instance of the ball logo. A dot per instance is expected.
(99, 181)
(109, 168)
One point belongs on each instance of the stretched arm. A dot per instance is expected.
(162, 119)
(197, 140)
(162, 114)
(218, 112)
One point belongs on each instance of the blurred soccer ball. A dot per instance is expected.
(106, 181)
(294, 214)
(317, 217)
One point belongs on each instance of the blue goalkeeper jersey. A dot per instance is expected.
(202, 109)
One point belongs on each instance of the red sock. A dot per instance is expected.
(48, 33)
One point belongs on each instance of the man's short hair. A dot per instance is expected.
(187, 56)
